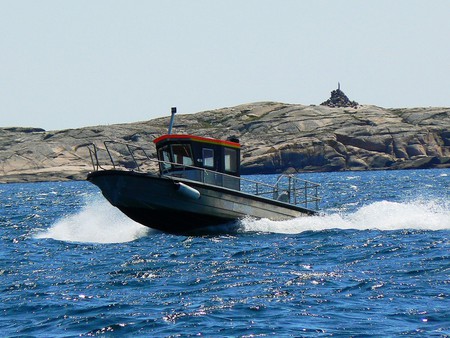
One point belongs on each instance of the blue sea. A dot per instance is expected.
(376, 262)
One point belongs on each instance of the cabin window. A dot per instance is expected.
(164, 155)
(230, 160)
(208, 158)
(182, 154)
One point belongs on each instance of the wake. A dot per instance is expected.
(382, 215)
(99, 222)
(96, 222)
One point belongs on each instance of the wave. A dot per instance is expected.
(96, 222)
(383, 215)
(99, 222)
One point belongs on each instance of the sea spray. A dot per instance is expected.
(96, 222)
(382, 215)
(99, 222)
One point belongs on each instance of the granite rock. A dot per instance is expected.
(275, 137)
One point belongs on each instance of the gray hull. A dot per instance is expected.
(157, 202)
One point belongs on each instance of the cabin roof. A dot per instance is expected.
(184, 137)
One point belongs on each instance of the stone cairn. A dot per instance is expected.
(339, 99)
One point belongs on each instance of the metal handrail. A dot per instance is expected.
(93, 151)
(296, 192)
(287, 188)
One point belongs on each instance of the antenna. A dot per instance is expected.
(173, 112)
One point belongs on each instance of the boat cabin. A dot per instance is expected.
(200, 159)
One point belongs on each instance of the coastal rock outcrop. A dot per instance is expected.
(275, 137)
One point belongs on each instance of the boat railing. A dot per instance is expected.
(287, 188)
(119, 156)
(298, 191)
(122, 156)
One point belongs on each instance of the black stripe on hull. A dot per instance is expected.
(173, 221)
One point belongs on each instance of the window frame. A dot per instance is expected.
(230, 160)
(207, 159)
(185, 153)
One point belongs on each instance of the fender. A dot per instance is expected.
(187, 191)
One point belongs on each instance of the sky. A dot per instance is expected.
(69, 64)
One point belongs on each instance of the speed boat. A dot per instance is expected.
(193, 183)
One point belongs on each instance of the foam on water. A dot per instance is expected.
(99, 222)
(382, 215)
(96, 222)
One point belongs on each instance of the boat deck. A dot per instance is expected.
(112, 155)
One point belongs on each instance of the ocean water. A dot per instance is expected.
(375, 263)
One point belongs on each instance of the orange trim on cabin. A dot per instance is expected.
(197, 139)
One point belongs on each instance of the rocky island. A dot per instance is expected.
(275, 137)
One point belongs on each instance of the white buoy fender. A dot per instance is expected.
(187, 191)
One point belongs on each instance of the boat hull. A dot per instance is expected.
(159, 203)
